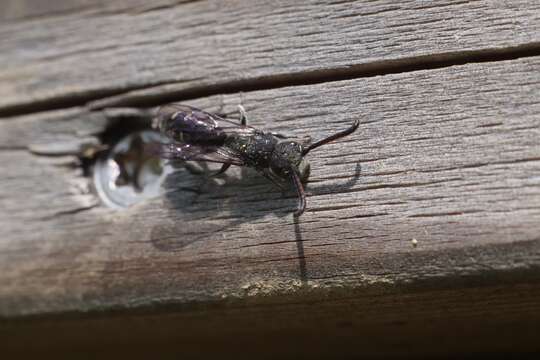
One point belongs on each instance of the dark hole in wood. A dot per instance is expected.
(120, 127)
(117, 128)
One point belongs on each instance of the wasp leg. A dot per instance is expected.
(301, 194)
(190, 167)
(243, 115)
(224, 168)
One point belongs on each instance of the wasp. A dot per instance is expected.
(193, 134)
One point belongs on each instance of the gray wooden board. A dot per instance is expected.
(449, 157)
(17, 10)
(83, 56)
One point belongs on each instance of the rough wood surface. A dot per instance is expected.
(448, 154)
(190, 48)
(17, 10)
(448, 157)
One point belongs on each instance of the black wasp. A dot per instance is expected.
(201, 136)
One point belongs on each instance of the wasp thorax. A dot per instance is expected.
(286, 157)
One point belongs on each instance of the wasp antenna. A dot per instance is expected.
(301, 194)
(332, 137)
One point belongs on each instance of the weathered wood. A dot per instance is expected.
(475, 320)
(195, 46)
(16, 10)
(449, 157)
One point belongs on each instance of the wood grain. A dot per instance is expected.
(448, 157)
(17, 10)
(191, 48)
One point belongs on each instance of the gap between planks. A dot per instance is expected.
(164, 92)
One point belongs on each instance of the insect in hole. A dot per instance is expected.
(194, 134)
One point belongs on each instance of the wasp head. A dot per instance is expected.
(288, 156)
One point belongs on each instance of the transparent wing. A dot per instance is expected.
(218, 154)
(194, 134)
(195, 121)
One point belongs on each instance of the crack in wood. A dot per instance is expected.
(73, 211)
(158, 94)
(154, 96)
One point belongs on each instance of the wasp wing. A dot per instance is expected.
(189, 152)
(177, 118)
(197, 135)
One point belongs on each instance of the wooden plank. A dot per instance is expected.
(448, 157)
(17, 10)
(483, 320)
(191, 48)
